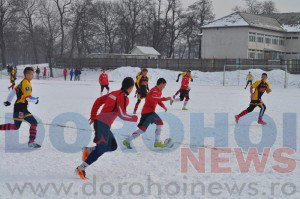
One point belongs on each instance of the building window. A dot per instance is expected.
(268, 40)
(251, 54)
(252, 38)
(295, 37)
(275, 41)
(260, 55)
(260, 39)
(281, 42)
(289, 38)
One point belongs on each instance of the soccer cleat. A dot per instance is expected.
(127, 144)
(260, 121)
(160, 145)
(185, 109)
(33, 145)
(237, 118)
(81, 174)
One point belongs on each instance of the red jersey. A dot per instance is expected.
(65, 72)
(115, 105)
(103, 79)
(153, 98)
(185, 83)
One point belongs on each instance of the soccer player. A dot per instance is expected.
(143, 88)
(104, 82)
(189, 73)
(250, 79)
(21, 113)
(114, 105)
(150, 117)
(13, 78)
(260, 87)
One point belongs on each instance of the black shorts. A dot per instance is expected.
(104, 137)
(104, 86)
(21, 112)
(149, 118)
(143, 93)
(184, 94)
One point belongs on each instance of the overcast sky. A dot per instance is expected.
(224, 7)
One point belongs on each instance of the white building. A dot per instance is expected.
(150, 52)
(248, 36)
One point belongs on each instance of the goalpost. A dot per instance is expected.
(235, 75)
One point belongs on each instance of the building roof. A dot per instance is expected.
(289, 22)
(146, 50)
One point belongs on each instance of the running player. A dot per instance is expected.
(143, 88)
(13, 78)
(150, 117)
(21, 113)
(114, 105)
(189, 73)
(260, 87)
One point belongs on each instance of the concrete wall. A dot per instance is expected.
(233, 43)
(293, 46)
(225, 42)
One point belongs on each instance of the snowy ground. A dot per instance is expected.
(126, 174)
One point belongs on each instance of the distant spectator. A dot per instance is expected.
(65, 74)
(71, 74)
(38, 71)
(45, 73)
(77, 74)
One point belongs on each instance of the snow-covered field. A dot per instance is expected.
(146, 172)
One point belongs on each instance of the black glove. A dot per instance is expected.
(192, 80)
(37, 101)
(177, 80)
(7, 103)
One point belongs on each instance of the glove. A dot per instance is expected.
(7, 103)
(177, 80)
(37, 101)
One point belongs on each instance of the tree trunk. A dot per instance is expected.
(3, 47)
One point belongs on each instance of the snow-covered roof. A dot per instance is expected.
(290, 21)
(291, 28)
(260, 21)
(239, 19)
(146, 50)
(232, 20)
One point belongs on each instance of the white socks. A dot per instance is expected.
(157, 133)
(135, 135)
(139, 132)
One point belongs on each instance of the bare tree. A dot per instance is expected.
(257, 7)
(201, 12)
(63, 7)
(28, 19)
(50, 25)
(8, 10)
(105, 21)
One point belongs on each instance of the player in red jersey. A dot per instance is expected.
(189, 73)
(150, 117)
(114, 105)
(104, 82)
(185, 90)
